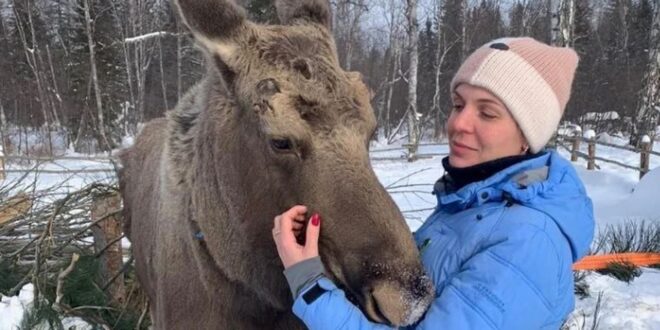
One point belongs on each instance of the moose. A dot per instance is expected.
(275, 122)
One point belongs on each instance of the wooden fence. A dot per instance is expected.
(569, 143)
(40, 160)
(575, 141)
(408, 152)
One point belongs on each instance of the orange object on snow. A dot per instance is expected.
(601, 261)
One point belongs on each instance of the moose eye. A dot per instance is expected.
(281, 144)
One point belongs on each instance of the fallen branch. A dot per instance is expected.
(406, 177)
(138, 326)
(60, 278)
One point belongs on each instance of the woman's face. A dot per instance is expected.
(480, 128)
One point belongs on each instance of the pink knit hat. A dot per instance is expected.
(531, 78)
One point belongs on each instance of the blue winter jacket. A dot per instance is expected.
(499, 252)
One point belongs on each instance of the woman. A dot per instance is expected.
(511, 217)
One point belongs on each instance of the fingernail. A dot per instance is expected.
(316, 219)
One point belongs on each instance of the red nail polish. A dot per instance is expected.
(316, 219)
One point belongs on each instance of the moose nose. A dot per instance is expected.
(399, 303)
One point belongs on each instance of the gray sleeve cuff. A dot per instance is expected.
(303, 274)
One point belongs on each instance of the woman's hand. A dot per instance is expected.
(287, 226)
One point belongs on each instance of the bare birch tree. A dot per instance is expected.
(440, 116)
(413, 115)
(118, 14)
(443, 47)
(105, 143)
(141, 21)
(649, 109)
(392, 63)
(348, 15)
(465, 45)
(31, 51)
(564, 28)
(35, 62)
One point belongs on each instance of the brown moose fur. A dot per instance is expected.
(275, 123)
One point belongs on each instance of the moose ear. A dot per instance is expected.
(317, 11)
(214, 23)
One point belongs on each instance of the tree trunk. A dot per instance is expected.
(396, 67)
(179, 62)
(3, 118)
(413, 115)
(31, 57)
(3, 147)
(566, 24)
(129, 124)
(56, 118)
(436, 107)
(648, 113)
(162, 74)
(95, 79)
(464, 36)
(349, 14)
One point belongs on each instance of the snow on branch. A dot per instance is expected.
(144, 37)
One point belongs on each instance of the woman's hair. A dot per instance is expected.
(531, 78)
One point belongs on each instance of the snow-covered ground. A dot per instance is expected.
(12, 310)
(617, 193)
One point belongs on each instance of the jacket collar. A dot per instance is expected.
(509, 181)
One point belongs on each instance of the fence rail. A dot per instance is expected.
(100, 170)
(611, 145)
(54, 158)
(40, 160)
(645, 151)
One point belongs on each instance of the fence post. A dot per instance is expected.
(590, 135)
(412, 152)
(107, 243)
(577, 136)
(644, 156)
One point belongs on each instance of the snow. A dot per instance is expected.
(12, 310)
(569, 129)
(613, 139)
(646, 139)
(127, 141)
(598, 116)
(147, 36)
(617, 193)
(590, 134)
(632, 306)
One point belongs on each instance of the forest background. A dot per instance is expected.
(90, 71)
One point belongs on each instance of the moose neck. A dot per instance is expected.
(209, 135)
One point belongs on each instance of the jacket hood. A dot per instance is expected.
(547, 183)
